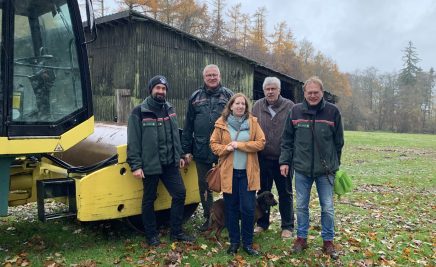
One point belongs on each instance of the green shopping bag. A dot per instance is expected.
(343, 183)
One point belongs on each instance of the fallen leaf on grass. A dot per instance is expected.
(51, 263)
(172, 258)
(368, 253)
(85, 263)
(17, 260)
(273, 257)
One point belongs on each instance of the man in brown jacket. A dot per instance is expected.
(272, 111)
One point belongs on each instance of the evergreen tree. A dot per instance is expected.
(410, 94)
(410, 71)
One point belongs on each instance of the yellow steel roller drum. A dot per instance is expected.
(112, 192)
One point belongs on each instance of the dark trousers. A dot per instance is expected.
(173, 182)
(269, 172)
(206, 202)
(241, 203)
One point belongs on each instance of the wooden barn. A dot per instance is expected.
(131, 48)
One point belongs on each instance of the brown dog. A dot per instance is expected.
(217, 220)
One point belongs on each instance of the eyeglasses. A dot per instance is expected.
(211, 75)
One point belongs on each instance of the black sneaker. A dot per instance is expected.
(182, 237)
(205, 226)
(153, 241)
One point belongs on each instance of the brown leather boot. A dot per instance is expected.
(300, 244)
(329, 249)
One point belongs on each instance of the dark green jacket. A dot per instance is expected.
(152, 137)
(204, 108)
(298, 145)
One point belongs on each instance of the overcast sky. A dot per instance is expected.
(357, 34)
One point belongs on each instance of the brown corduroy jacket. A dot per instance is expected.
(272, 127)
(221, 138)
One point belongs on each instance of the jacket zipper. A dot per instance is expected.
(312, 166)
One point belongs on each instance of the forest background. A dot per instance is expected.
(398, 101)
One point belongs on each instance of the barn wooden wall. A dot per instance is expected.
(126, 55)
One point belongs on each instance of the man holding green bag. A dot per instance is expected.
(312, 142)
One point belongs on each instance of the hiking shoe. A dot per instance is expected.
(300, 244)
(153, 241)
(286, 234)
(233, 249)
(250, 250)
(329, 249)
(205, 226)
(182, 237)
(258, 229)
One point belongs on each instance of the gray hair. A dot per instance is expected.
(271, 81)
(314, 79)
(211, 66)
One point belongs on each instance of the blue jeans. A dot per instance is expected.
(241, 203)
(174, 184)
(324, 186)
(269, 172)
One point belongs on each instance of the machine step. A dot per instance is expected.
(53, 188)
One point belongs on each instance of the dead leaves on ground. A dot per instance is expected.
(387, 225)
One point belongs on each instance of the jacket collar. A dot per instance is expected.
(277, 106)
(212, 91)
(147, 107)
(313, 111)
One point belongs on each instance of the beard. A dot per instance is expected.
(159, 97)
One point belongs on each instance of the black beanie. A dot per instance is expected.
(158, 79)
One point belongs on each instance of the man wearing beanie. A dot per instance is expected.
(204, 107)
(154, 152)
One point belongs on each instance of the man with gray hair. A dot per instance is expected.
(204, 108)
(271, 112)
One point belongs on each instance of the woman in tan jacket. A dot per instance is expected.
(236, 139)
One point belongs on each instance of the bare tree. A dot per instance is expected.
(100, 8)
(234, 27)
(192, 18)
(218, 33)
(258, 49)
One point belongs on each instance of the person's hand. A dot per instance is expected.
(229, 147)
(234, 144)
(139, 174)
(182, 163)
(284, 170)
(188, 158)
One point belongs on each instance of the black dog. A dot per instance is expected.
(217, 219)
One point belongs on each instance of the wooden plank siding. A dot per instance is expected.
(132, 48)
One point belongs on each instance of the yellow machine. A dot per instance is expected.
(46, 146)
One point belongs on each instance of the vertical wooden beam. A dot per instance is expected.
(123, 104)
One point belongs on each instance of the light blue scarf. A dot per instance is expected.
(238, 123)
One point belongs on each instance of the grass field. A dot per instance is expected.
(388, 220)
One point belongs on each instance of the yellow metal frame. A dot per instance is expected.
(109, 193)
(24, 177)
(113, 192)
(46, 145)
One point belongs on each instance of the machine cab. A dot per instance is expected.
(45, 92)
